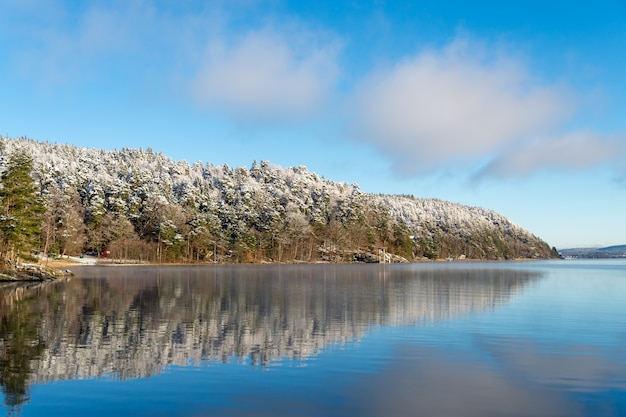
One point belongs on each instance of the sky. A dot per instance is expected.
(516, 106)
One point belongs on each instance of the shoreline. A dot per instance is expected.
(33, 273)
(52, 269)
(69, 263)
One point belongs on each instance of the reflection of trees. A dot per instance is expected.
(133, 321)
(20, 344)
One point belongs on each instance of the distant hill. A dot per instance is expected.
(618, 251)
(140, 204)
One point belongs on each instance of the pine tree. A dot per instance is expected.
(21, 210)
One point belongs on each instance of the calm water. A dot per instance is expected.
(453, 339)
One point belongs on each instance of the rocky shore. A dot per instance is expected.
(32, 272)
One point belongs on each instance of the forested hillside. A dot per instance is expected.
(139, 204)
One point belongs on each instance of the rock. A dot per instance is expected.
(32, 272)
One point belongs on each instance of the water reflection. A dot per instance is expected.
(20, 342)
(131, 322)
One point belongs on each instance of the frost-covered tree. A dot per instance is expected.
(63, 226)
(170, 210)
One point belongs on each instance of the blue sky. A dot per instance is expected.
(516, 106)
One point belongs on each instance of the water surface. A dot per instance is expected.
(453, 339)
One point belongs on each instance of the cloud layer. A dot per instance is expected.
(270, 70)
(466, 106)
(264, 76)
(572, 151)
(461, 106)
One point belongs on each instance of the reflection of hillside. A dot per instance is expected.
(130, 322)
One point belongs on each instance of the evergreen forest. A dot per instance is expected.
(140, 205)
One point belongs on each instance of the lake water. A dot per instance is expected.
(434, 339)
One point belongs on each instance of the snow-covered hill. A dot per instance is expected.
(141, 204)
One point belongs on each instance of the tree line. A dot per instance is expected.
(136, 204)
(57, 224)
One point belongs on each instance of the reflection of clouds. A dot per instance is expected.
(507, 376)
(428, 382)
(577, 368)
(435, 383)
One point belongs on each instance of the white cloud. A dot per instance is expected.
(457, 105)
(572, 151)
(263, 76)
(283, 72)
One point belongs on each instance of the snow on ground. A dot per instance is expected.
(83, 260)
